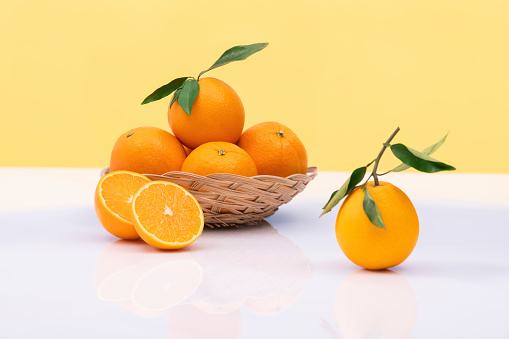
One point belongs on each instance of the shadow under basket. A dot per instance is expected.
(230, 199)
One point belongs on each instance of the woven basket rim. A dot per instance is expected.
(245, 199)
(311, 172)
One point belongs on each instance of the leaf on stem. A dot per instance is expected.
(418, 160)
(355, 178)
(175, 96)
(430, 150)
(188, 94)
(236, 53)
(371, 209)
(165, 90)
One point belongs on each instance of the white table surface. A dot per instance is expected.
(64, 276)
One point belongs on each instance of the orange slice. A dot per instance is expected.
(113, 197)
(166, 216)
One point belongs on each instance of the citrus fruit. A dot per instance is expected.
(219, 157)
(275, 149)
(217, 114)
(166, 216)
(149, 150)
(113, 197)
(372, 247)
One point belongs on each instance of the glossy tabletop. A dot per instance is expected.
(64, 276)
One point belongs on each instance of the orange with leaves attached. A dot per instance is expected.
(377, 226)
(372, 247)
(217, 114)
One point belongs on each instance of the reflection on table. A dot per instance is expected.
(253, 266)
(375, 304)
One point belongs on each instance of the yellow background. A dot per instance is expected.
(341, 74)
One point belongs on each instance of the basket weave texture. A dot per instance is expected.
(230, 199)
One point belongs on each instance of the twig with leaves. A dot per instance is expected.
(409, 157)
(187, 88)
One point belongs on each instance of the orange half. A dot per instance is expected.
(113, 197)
(166, 216)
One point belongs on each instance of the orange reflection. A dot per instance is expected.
(144, 280)
(254, 266)
(379, 304)
(114, 269)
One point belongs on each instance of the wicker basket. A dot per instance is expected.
(229, 199)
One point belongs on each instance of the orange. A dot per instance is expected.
(372, 247)
(166, 216)
(217, 115)
(113, 197)
(219, 157)
(148, 150)
(275, 149)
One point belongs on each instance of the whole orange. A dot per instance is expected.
(219, 157)
(217, 114)
(275, 149)
(147, 150)
(372, 247)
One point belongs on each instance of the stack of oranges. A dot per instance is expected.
(209, 140)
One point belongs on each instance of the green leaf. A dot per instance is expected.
(418, 160)
(165, 90)
(355, 178)
(188, 94)
(332, 196)
(236, 53)
(371, 209)
(430, 150)
(176, 95)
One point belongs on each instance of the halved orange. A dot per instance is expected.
(113, 197)
(166, 216)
